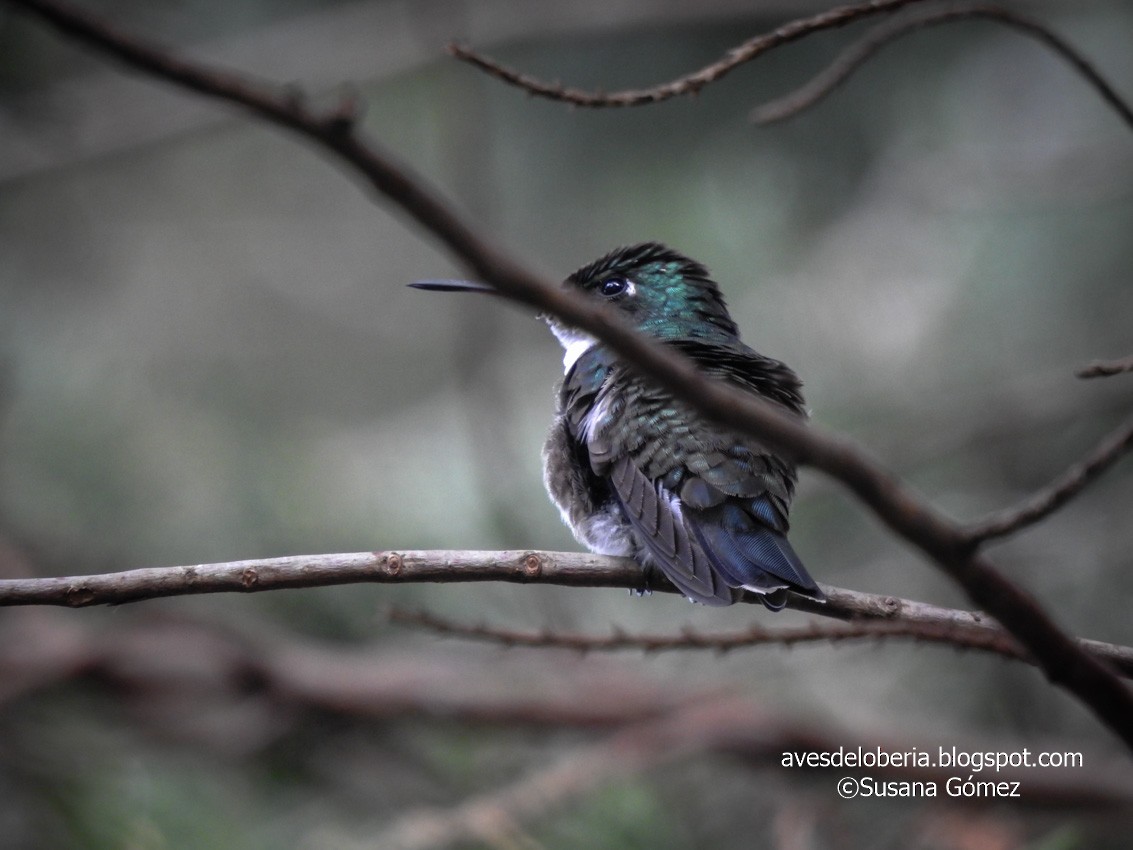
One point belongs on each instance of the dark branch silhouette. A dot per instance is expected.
(983, 638)
(692, 83)
(854, 57)
(842, 68)
(1060, 491)
(1106, 368)
(910, 516)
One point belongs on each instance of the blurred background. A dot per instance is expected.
(207, 353)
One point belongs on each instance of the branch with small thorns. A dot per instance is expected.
(953, 549)
(869, 615)
(982, 638)
(615, 709)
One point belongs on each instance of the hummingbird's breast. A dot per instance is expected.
(584, 499)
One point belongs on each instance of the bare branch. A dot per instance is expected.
(194, 663)
(1106, 368)
(404, 567)
(983, 638)
(569, 569)
(690, 84)
(838, 72)
(892, 616)
(904, 512)
(1060, 491)
(886, 33)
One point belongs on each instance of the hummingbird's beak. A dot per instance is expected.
(452, 286)
(462, 286)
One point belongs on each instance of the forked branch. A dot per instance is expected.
(845, 65)
(690, 84)
(855, 56)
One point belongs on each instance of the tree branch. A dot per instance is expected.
(894, 616)
(690, 84)
(838, 72)
(983, 638)
(1060, 491)
(905, 513)
(886, 33)
(443, 566)
(165, 660)
(252, 576)
(1106, 368)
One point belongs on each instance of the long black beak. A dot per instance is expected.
(452, 286)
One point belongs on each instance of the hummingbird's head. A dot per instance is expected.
(663, 294)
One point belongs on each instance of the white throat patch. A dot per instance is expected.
(576, 344)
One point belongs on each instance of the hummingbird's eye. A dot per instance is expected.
(615, 286)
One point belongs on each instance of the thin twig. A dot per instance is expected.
(1060, 491)
(689, 84)
(1106, 368)
(986, 637)
(886, 33)
(843, 67)
(895, 503)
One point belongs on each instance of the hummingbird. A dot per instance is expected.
(636, 472)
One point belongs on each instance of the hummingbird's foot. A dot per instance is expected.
(648, 583)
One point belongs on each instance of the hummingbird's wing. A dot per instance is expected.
(699, 495)
(744, 535)
(655, 515)
(737, 499)
(710, 544)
